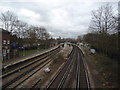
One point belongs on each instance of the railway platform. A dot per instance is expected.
(21, 59)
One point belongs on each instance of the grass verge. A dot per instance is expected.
(106, 67)
(23, 54)
(28, 52)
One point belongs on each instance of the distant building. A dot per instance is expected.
(53, 42)
(8, 45)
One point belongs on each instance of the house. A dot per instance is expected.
(8, 45)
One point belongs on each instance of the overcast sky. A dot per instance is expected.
(65, 18)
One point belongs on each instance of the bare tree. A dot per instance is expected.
(42, 33)
(96, 23)
(20, 29)
(8, 20)
(102, 19)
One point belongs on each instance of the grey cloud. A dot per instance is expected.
(63, 18)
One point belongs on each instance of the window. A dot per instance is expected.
(4, 41)
(8, 51)
(4, 52)
(8, 42)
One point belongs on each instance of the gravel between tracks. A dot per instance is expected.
(54, 66)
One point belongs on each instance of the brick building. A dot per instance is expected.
(8, 45)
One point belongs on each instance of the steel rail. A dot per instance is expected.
(11, 67)
(81, 72)
(18, 63)
(31, 75)
(51, 58)
(55, 77)
(24, 66)
(84, 71)
(60, 85)
(86, 75)
(20, 76)
(33, 86)
(78, 73)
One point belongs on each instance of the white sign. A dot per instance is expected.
(92, 51)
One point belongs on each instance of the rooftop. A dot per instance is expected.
(4, 31)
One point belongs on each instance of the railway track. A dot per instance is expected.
(17, 83)
(37, 84)
(33, 86)
(26, 69)
(79, 79)
(72, 74)
(6, 69)
(78, 72)
(84, 79)
(58, 77)
(17, 69)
